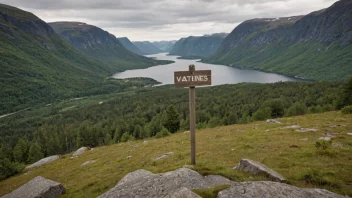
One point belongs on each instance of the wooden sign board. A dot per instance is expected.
(192, 79)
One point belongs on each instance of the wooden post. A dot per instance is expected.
(191, 79)
(192, 118)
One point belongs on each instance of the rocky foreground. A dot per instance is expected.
(176, 184)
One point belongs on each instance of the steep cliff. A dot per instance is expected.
(129, 45)
(101, 45)
(165, 46)
(200, 46)
(147, 47)
(316, 46)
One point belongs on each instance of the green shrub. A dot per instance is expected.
(322, 144)
(8, 168)
(163, 133)
(347, 110)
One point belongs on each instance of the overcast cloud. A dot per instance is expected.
(165, 19)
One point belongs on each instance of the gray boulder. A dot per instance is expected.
(258, 168)
(183, 193)
(38, 187)
(44, 161)
(80, 151)
(267, 189)
(143, 183)
(163, 156)
(273, 121)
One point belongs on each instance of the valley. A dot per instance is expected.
(281, 95)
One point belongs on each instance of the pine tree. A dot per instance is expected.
(20, 151)
(35, 153)
(171, 120)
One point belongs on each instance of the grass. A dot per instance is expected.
(211, 192)
(218, 151)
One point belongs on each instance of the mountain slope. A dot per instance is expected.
(38, 67)
(316, 46)
(129, 45)
(165, 46)
(198, 45)
(147, 47)
(101, 45)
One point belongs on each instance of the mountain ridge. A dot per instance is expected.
(308, 48)
(198, 46)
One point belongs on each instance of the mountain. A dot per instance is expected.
(316, 46)
(200, 46)
(147, 47)
(129, 45)
(165, 46)
(101, 45)
(38, 67)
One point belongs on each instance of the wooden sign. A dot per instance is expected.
(191, 79)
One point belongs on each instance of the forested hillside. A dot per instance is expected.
(103, 120)
(129, 45)
(99, 44)
(37, 66)
(147, 47)
(198, 46)
(316, 46)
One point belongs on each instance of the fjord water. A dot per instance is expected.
(220, 74)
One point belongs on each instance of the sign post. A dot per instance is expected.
(191, 79)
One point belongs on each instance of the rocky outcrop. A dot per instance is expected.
(258, 168)
(142, 183)
(80, 151)
(44, 161)
(38, 187)
(181, 182)
(266, 189)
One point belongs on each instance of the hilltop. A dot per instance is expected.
(315, 46)
(292, 154)
(129, 45)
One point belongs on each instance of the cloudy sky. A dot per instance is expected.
(156, 20)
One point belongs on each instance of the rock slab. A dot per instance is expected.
(44, 161)
(258, 168)
(38, 187)
(163, 156)
(80, 151)
(273, 121)
(267, 189)
(144, 184)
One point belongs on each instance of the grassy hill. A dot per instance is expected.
(218, 151)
